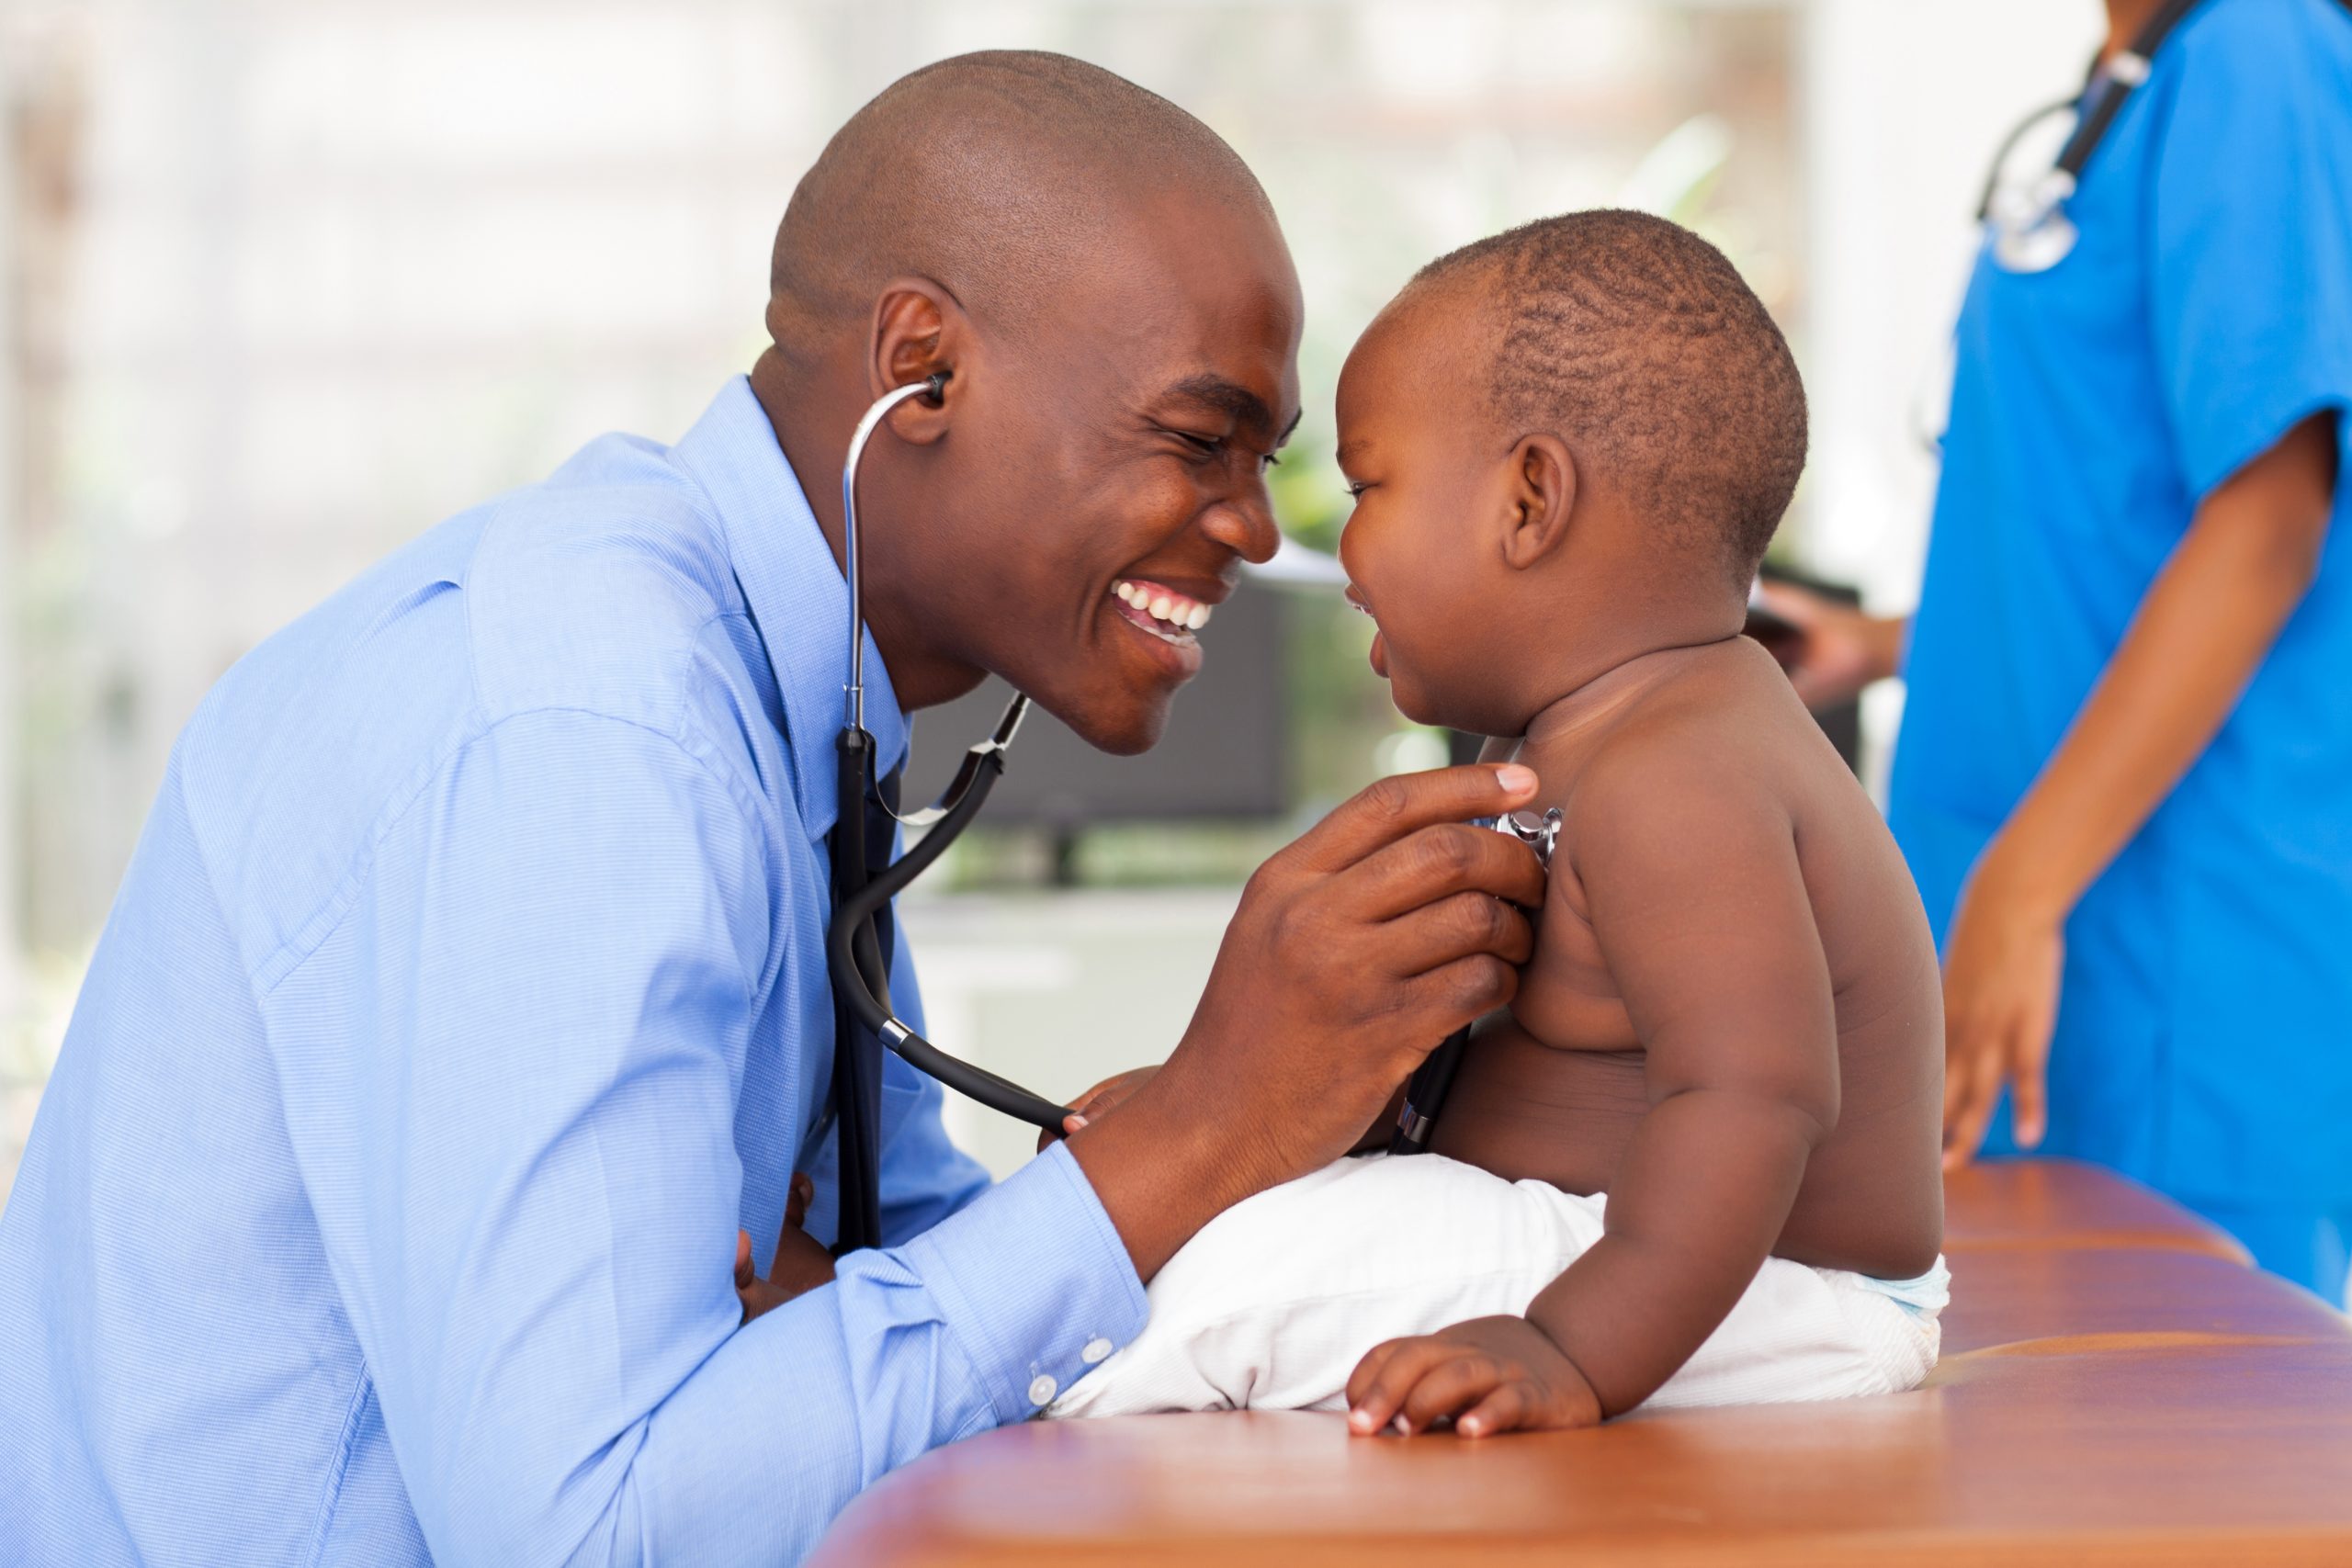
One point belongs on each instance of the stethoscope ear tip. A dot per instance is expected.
(934, 387)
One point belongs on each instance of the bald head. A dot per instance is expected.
(1108, 292)
(993, 175)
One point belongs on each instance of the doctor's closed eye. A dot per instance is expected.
(1209, 446)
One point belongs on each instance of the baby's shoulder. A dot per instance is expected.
(1721, 724)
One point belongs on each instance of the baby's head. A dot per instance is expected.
(1569, 445)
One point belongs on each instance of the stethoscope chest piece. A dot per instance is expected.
(1425, 1091)
(1541, 834)
(2032, 232)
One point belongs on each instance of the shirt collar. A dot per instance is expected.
(798, 600)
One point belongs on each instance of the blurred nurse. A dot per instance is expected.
(2124, 775)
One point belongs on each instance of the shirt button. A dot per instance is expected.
(1096, 1352)
(1042, 1389)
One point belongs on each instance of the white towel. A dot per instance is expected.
(1272, 1304)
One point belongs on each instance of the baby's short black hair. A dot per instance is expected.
(1637, 340)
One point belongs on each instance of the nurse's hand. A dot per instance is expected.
(2003, 959)
(1355, 950)
(1838, 650)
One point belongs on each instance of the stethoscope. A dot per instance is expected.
(2029, 226)
(2030, 229)
(861, 977)
(1425, 1091)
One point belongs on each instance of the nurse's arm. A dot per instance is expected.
(2207, 621)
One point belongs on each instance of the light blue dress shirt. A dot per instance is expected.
(2201, 1041)
(465, 995)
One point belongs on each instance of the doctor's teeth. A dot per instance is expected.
(1170, 610)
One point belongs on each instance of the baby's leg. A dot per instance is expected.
(1805, 1333)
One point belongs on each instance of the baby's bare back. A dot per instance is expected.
(1555, 1087)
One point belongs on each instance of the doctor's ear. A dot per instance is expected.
(1541, 495)
(920, 334)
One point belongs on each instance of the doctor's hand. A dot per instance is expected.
(1839, 649)
(1355, 950)
(2003, 959)
(801, 1261)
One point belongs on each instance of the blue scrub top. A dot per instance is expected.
(2204, 1036)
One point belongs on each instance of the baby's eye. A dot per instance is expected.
(1356, 488)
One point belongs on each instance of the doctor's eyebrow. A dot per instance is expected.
(1244, 407)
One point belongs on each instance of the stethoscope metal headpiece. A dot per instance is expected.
(932, 389)
(1541, 834)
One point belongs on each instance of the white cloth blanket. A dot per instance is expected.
(1274, 1302)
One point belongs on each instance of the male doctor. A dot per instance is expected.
(466, 994)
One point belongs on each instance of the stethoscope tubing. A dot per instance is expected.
(2105, 92)
(854, 955)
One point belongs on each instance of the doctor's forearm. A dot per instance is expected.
(2208, 622)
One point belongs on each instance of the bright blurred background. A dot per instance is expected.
(283, 284)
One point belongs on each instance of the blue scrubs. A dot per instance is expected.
(2204, 1035)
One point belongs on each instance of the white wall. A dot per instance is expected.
(1905, 102)
(10, 944)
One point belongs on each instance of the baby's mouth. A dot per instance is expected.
(1379, 651)
(1161, 611)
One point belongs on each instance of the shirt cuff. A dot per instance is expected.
(1034, 1283)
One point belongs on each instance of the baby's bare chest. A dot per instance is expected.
(1567, 998)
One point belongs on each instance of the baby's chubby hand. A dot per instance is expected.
(1491, 1374)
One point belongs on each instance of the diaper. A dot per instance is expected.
(1272, 1304)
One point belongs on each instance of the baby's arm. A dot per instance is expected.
(1689, 872)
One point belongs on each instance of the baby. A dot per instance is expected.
(1696, 1160)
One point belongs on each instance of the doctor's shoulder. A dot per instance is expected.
(604, 588)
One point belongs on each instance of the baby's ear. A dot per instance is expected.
(1541, 497)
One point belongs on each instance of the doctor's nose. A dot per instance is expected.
(1245, 526)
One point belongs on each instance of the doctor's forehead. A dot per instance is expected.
(1218, 396)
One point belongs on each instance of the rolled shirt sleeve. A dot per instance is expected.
(518, 1134)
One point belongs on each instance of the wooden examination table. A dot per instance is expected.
(2117, 1387)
